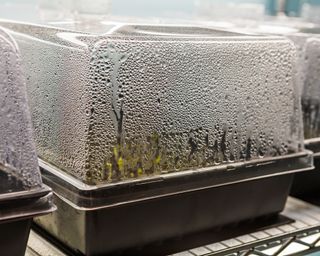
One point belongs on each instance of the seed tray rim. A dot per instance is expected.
(92, 197)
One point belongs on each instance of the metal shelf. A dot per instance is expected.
(301, 236)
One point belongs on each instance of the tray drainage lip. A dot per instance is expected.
(26, 204)
(25, 194)
(92, 197)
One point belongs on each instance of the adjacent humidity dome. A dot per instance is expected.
(306, 38)
(18, 160)
(144, 100)
(307, 42)
(309, 62)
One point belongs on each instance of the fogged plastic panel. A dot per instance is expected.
(18, 159)
(142, 101)
(311, 93)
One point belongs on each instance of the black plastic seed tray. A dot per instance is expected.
(307, 185)
(16, 212)
(95, 220)
(18, 205)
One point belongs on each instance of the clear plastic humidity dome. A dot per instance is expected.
(18, 158)
(306, 38)
(145, 100)
(22, 194)
(310, 63)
